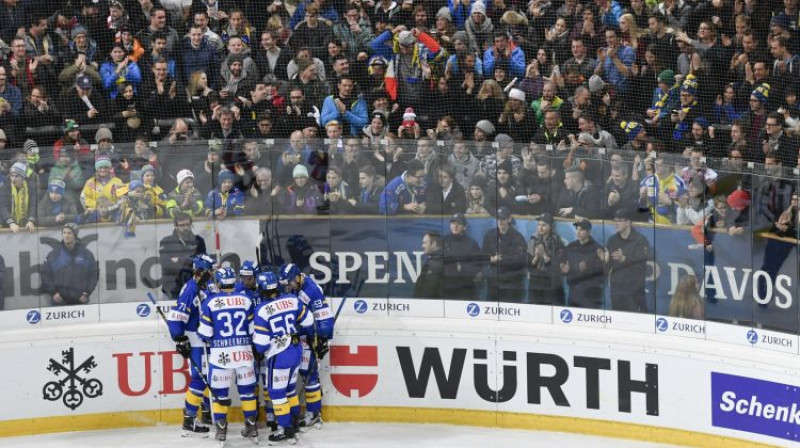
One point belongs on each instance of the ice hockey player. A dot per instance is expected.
(226, 323)
(279, 321)
(316, 345)
(183, 321)
(247, 281)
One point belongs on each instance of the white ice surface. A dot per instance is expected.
(350, 435)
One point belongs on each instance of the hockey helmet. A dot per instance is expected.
(202, 262)
(248, 269)
(288, 272)
(267, 281)
(225, 278)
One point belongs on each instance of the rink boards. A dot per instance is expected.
(579, 377)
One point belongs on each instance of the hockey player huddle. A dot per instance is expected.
(259, 328)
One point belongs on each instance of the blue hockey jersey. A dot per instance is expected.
(184, 317)
(226, 322)
(277, 321)
(313, 297)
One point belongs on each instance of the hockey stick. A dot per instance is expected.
(191, 360)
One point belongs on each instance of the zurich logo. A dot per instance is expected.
(566, 316)
(473, 309)
(33, 317)
(662, 324)
(143, 310)
(360, 306)
(752, 336)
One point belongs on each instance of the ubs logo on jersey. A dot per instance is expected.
(565, 316)
(473, 309)
(143, 310)
(72, 385)
(360, 306)
(33, 317)
(362, 383)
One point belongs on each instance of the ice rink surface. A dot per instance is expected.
(350, 435)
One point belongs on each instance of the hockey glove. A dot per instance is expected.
(183, 346)
(257, 355)
(321, 348)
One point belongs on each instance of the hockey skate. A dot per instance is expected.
(250, 431)
(192, 427)
(222, 431)
(311, 421)
(206, 417)
(282, 436)
(272, 424)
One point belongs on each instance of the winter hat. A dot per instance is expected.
(135, 184)
(235, 58)
(226, 175)
(57, 186)
(761, 92)
(102, 161)
(299, 170)
(84, 82)
(183, 175)
(409, 117)
(781, 20)
(516, 94)
(147, 168)
(503, 139)
(78, 30)
(30, 145)
(506, 166)
(486, 127)
(72, 228)
(20, 169)
(478, 7)
(460, 35)
(596, 84)
(70, 125)
(444, 13)
(631, 128)
(405, 38)
(103, 134)
(702, 122)
(690, 85)
(667, 77)
(739, 200)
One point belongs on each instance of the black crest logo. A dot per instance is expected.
(73, 379)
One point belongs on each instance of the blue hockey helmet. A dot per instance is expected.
(248, 269)
(225, 278)
(202, 262)
(267, 281)
(288, 272)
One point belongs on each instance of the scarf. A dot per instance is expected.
(20, 199)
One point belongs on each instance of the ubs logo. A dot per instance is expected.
(565, 316)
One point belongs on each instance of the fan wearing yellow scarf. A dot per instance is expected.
(18, 200)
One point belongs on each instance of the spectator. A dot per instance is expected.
(135, 206)
(199, 55)
(263, 197)
(102, 185)
(517, 120)
(225, 200)
(119, 69)
(695, 206)
(466, 165)
(503, 191)
(505, 149)
(351, 112)
(545, 249)
(462, 262)
(626, 255)
(580, 198)
(337, 193)
(158, 23)
(505, 248)
(504, 53)
(56, 207)
(271, 60)
(18, 200)
(354, 31)
(446, 196)
(68, 170)
(405, 193)
(582, 266)
(614, 62)
(430, 282)
(69, 273)
(620, 192)
(778, 141)
(660, 192)
(301, 197)
(175, 253)
(476, 198)
(84, 104)
(185, 198)
(686, 302)
(312, 33)
(413, 52)
(11, 106)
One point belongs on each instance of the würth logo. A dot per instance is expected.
(346, 383)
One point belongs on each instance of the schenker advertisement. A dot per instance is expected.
(743, 279)
(132, 367)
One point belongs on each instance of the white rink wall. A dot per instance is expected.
(572, 378)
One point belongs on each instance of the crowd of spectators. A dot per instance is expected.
(434, 107)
